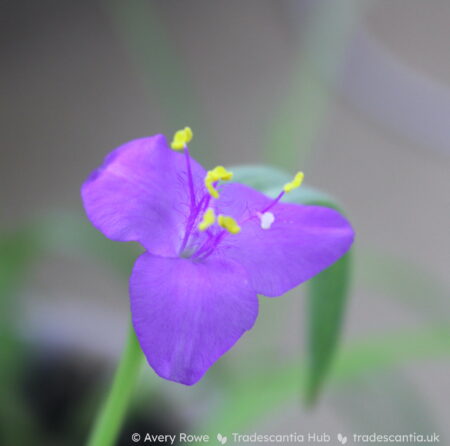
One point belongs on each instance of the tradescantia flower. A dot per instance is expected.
(211, 247)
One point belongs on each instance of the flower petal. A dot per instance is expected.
(187, 315)
(140, 193)
(300, 242)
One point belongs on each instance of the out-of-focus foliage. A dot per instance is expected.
(150, 46)
(17, 251)
(327, 291)
(296, 126)
(261, 392)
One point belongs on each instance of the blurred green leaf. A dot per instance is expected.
(327, 292)
(326, 306)
(259, 392)
(18, 248)
(270, 181)
(162, 68)
(262, 178)
(61, 234)
(302, 113)
(57, 233)
(70, 233)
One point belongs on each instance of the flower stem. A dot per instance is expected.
(111, 416)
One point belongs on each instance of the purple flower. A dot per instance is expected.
(211, 247)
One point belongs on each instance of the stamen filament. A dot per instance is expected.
(209, 246)
(288, 187)
(190, 178)
(274, 202)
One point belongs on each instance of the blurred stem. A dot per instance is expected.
(302, 114)
(111, 417)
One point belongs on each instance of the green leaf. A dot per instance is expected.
(327, 292)
(263, 178)
(270, 181)
(326, 306)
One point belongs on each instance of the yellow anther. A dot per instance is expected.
(209, 217)
(228, 223)
(220, 173)
(181, 138)
(212, 191)
(296, 182)
(216, 174)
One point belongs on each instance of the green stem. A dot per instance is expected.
(110, 419)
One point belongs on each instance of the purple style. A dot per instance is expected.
(194, 291)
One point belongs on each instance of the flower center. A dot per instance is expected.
(204, 231)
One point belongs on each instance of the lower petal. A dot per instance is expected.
(187, 315)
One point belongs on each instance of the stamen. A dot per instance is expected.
(208, 220)
(288, 187)
(274, 202)
(267, 220)
(214, 175)
(181, 138)
(295, 183)
(179, 142)
(228, 223)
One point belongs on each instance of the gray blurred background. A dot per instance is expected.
(355, 94)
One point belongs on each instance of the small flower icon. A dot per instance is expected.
(222, 439)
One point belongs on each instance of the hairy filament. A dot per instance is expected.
(190, 178)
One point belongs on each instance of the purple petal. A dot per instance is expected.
(302, 241)
(187, 315)
(140, 193)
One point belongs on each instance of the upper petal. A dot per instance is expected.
(140, 193)
(301, 242)
(186, 314)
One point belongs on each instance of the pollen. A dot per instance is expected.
(295, 183)
(209, 217)
(181, 138)
(267, 220)
(214, 175)
(228, 223)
